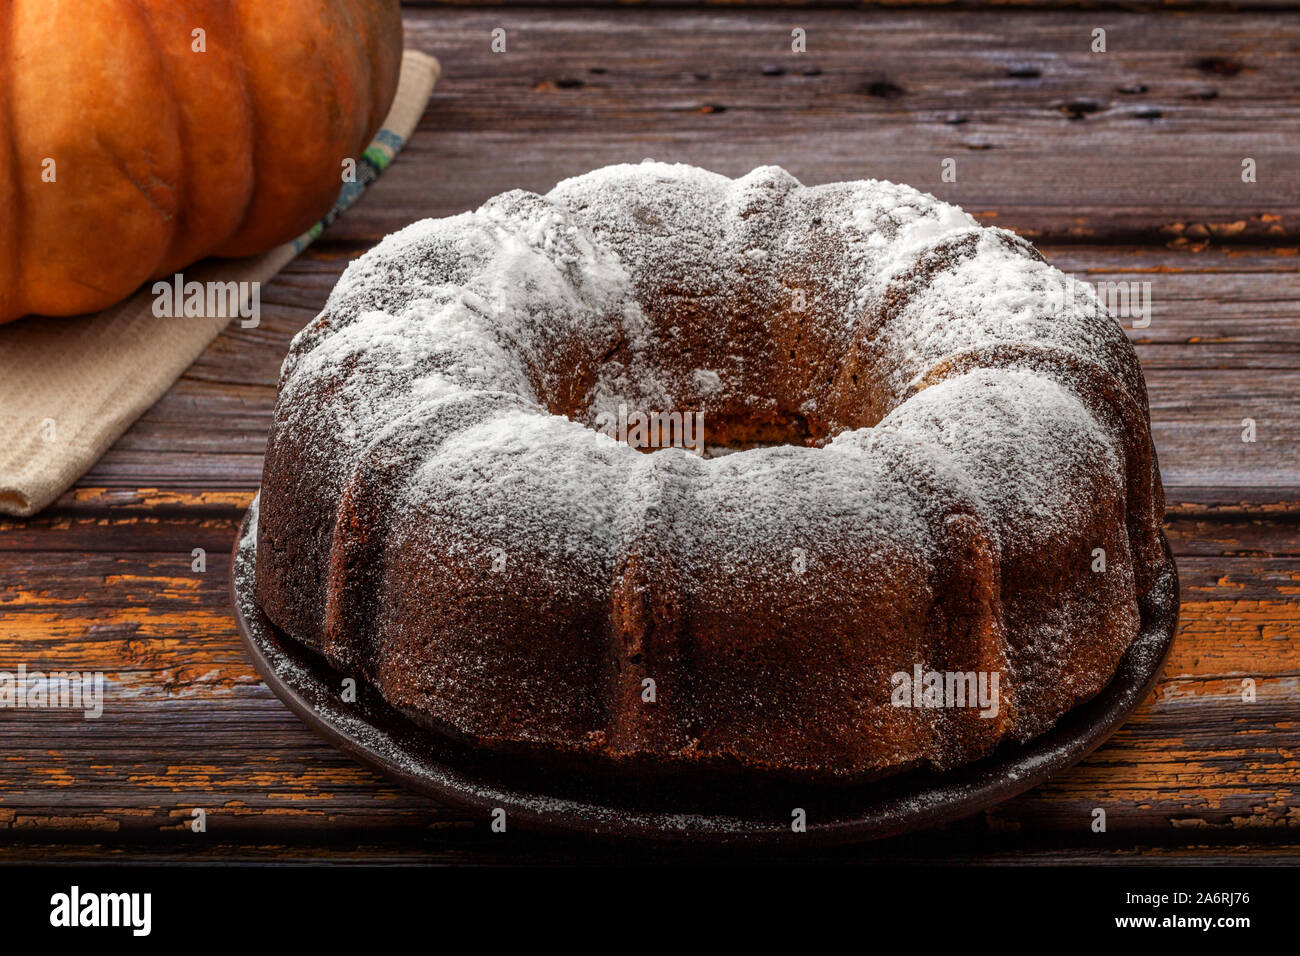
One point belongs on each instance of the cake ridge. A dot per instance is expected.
(440, 513)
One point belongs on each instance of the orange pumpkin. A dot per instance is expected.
(137, 136)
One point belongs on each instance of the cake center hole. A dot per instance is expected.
(706, 401)
(710, 434)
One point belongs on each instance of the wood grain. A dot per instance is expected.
(1144, 142)
(1016, 6)
(1055, 142)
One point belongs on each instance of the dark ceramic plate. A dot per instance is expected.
(737, 814)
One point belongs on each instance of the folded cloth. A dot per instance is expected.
(70, 386)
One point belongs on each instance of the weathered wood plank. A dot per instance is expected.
(102, 580)
(1010, 6)
(252, 768)
(1145, 141)
(187, 722)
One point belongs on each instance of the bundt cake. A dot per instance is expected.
(927, 452)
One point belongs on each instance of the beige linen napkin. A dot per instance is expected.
(70, 386)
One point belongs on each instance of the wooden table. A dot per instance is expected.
(1123, 165)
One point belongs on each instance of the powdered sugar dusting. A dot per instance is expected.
(486, 346)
